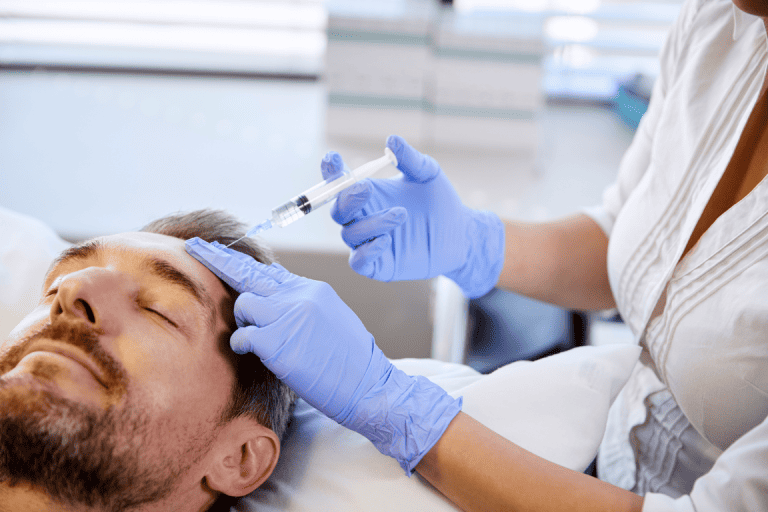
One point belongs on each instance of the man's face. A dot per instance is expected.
(122, 368)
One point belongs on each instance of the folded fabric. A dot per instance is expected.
(555, 407)
(27, 248)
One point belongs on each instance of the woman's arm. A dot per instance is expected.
(561, 262)
(481, 471)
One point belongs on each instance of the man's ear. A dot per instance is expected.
(244, 455)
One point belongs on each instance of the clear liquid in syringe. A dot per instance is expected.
(320, 194)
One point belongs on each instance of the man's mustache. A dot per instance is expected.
(76, 334)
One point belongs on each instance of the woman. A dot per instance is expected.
(679, 246)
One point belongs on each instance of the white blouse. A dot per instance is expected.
(695, 412)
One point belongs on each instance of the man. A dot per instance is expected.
(119, 391)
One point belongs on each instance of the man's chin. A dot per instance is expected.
(80, 455)
(24, 388)
(30, 400)
(58, 376)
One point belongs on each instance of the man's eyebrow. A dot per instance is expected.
(164, 270)
(80, 251)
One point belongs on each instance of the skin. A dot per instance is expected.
(172, 351)
(754, 7)
(564, 263)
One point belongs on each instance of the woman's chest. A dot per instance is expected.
(702, 162)
(688, 257)
(746, 169)
(710, 342)
(703, 311)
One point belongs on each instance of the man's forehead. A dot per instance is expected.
(140, 240)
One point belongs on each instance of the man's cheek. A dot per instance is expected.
(153, 368)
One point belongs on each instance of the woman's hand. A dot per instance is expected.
(415, 226)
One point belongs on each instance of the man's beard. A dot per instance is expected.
(81, 454)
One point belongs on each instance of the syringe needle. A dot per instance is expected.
(233, 243)
(255, 230)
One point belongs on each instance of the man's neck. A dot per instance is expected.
(25, 498)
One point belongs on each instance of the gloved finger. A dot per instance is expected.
(363, 259)
(350, 202)
(332, 165)
(276, 271)
(252, 309)
(416, 167)
(238, 270)
(245, 339)
(373, 226)
(265, 342)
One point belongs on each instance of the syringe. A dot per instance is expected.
(320, 194)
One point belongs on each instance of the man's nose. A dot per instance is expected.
(92, 295)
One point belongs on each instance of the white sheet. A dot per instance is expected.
(555, 407)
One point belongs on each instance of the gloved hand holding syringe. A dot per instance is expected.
(320, 194)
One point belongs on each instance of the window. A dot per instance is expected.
(228, 36)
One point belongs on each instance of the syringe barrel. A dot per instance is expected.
(327, 190)
(290, 211)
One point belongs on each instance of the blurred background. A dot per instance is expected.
(116, 112)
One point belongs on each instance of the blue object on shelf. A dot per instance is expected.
(632, 98)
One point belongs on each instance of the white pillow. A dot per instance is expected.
(27, 248)
(555, 407)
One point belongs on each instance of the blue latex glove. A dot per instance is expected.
(305, 334)
(414, 226)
